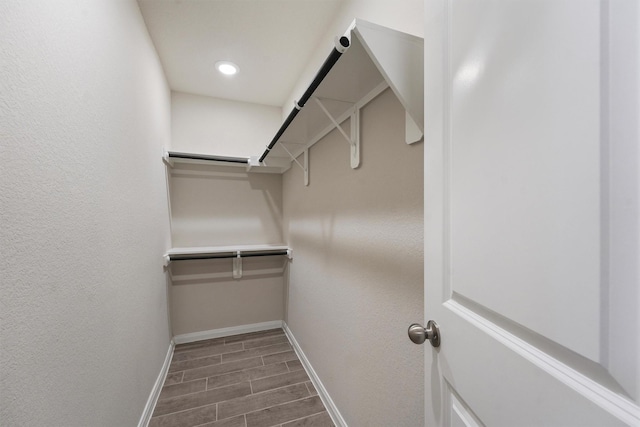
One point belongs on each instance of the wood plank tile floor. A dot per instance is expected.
(249, 380)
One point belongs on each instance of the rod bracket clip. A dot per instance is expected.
(237, 266)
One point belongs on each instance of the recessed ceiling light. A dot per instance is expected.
(227, 68)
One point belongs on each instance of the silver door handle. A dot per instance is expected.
(419, 334)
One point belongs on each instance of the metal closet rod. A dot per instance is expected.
(336, 53)
(173, 154)
(225, 255)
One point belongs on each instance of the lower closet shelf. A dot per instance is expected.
(212, 252)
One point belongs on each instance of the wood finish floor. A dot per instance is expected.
(249, 380)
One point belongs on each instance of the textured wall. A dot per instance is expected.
(225, 206)
(202, 124)
(205, 296)
(356, 281)
(84, 114)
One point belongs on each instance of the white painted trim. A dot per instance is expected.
(332, 409)
(157, 388)
(225, 332)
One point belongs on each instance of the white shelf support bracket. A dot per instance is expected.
(354, 138)
(412, 132)
(237, 266)
(289, 253)
(305, 167)
(333, 120)
(166, 260)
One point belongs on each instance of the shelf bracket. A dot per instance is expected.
(412, 132)
(305, 167)
(354, 138)
(237, 266)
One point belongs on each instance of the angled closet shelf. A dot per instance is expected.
(376, 58)
(365, 61)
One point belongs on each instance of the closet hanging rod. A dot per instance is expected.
(341, 46)
(225, 255)
(190, 156)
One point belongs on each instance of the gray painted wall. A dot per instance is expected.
(356, 282)
(225, 206)
(84, 114)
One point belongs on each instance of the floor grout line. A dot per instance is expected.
(269, 376)
(285, 386)
(277, 404)
(218, 364)
(190, 360)
(186, 410)
(244, 358)
(268, 407)
(251, 357)
(200, 406)
(181, 395)
(180, 349)
(311, 391)
(252, 379)
(281, 387)
(181, 382)
(197, 348)
(205, 356)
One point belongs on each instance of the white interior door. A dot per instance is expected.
(531, 212)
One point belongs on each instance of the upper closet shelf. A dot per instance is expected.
(367, 60)
(374, 58)
(173, 157)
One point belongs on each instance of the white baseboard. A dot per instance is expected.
(225, 332)
(332, 409)
(157, 388)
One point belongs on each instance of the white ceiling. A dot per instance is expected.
(270, 40)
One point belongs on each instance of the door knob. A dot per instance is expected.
(419, 334)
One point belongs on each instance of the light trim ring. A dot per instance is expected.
(227, 68)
